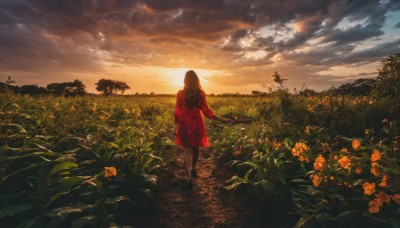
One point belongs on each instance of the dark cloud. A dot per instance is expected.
(45, 36)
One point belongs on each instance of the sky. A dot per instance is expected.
(234, 46)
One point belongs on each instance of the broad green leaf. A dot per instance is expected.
(12, 210)
(62, 167)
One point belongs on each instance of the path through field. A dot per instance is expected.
(207, 205)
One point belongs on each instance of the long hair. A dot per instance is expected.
(192, 90)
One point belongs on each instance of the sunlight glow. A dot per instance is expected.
(176, 75)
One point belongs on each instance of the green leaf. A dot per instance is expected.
(64, 211)
(12, 210)
(30, 155)
(288, 143)
(67, 183)
(81, 222)
(348, 217)
(395, 222)
(323, 217)
(21, 170)
(62, 166)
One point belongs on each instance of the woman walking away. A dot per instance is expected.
(189, 123)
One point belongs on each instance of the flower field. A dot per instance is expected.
(316, 161)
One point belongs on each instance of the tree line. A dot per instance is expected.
(66, 89)
(386, 84)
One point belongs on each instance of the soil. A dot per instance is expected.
(206, 205)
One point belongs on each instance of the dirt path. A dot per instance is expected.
(207, 205)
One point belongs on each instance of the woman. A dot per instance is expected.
(189, 123)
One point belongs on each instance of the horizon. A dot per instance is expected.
(233, 46)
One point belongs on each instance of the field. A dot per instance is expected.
(94, 161)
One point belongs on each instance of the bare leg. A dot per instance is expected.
(195, 157)
(188, 161)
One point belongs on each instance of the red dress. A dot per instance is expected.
(191, 130)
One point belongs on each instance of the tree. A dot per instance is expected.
(32, 90)
(360, 87)
(388, 81)
(109, 87)
(67, 89)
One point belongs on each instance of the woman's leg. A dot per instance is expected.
(188, 161)
(195, 157)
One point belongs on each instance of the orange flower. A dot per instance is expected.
(276, 145)
(374, 206)
(236, 153)
(299, 149)
(319, 163)
(358, 169)
(344, 150)
(356, 144)
(383, 183)
(396, 198)
(375, 169)
(317, 180)
(345, 162)
(383, 197)
(335, 158)
(325, 147)
(376, 156)
(369, 188)
(110, 171)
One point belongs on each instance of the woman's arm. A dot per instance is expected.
(223, 120)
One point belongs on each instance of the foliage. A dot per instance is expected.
(67, 89)
(319, 161)
(388, 81)
(82, 162)
(360, 87)
(109, 87)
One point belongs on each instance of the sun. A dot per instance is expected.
(176, 76)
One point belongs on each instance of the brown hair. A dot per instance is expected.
(192, 90)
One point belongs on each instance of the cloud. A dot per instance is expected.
(242, 38)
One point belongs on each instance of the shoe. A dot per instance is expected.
(189, 185)
(194, 173)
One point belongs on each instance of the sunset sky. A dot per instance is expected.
(234, 46)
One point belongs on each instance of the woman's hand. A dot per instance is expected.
(176, 129)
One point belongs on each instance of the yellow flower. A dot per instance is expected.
(345, 162)
(376, 156)
(110, 172)
(356, 144)
(383, 183)
(317, 180)
(358, 169)
(319, 163)
(375, 170)
(374, 206)
(369, 188)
